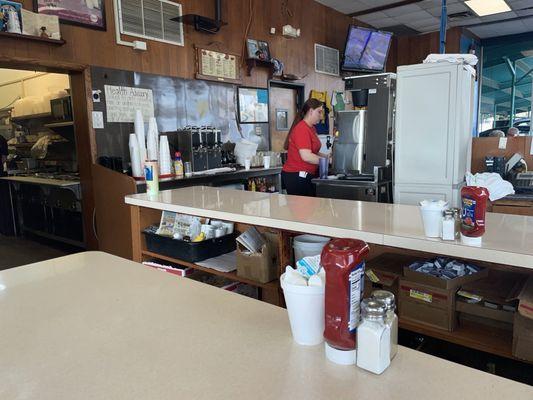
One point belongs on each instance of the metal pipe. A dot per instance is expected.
(443, 26)
(512, 68)
(218, 11)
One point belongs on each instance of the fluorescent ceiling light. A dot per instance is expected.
(487, 7)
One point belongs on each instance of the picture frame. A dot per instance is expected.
(263, 50)
(258, 50)
(215, 65)
(85, 13)
(252, 105)
(252, 48)
(282, 119)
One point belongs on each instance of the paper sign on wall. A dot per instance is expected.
(123, 101)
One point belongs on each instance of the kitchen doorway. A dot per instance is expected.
(46, 201)
(286, 99)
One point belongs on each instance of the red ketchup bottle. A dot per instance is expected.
(343, 261)
(474, 208)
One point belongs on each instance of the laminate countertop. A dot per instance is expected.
(508, 238)
(41, 181)
(95, 326)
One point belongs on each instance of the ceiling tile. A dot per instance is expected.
(372, 17)
(450, 9)
(499, 16)
(519, 4)
(524, 13)
(426, 22)
(382, 23)
(406, 18)
(394, 12)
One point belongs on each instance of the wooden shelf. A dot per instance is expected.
(273, 285)
(469, 334)
(60, 124)
(58, 42)
(31, 116)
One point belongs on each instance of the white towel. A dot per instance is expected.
(495, 184)
(469, 59)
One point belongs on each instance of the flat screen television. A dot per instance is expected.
(366, 49)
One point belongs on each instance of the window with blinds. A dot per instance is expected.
(326, 60)
(151, 19)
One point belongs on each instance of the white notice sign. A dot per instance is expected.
(123, 101)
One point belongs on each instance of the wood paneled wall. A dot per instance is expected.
(318, 24)
(488, 147)
(406, 50)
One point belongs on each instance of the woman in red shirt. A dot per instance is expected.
(303, 147)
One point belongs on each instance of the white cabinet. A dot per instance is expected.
(434, 108)
(414, 194)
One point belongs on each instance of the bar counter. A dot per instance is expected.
(508, 239)
(96, 326)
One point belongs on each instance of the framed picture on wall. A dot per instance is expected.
(257, 49)
(252, 48)
(282, 119)
(252, 104)
(86, 13)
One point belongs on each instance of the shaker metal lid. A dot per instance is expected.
(373, 307)
(385, 296)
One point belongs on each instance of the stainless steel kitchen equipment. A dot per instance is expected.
(349, 145)
(376, 187)
(370, 127)
(48, 205)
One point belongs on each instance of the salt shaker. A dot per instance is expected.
(373, 337)
(457, 218)
(448, 225)
(391, 319)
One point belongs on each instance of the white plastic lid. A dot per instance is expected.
(433, 205)
(471, 241)
(342, 357)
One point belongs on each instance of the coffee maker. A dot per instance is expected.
(201, 146)
(190, 141)
(214, 146)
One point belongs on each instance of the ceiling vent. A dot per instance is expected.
(460, 15)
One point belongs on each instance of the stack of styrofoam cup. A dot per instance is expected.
(152, 140)
(141, 140)
(164, 156)
(135, 156)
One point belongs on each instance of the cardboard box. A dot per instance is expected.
(261, 267)
(491, 301)
(429, 300)
(427, 305)
(433, 281)
(385, 271)
(523, 324)
(523, 337)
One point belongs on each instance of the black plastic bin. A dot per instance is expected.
(189, 251)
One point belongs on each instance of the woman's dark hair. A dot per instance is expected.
(310, 104)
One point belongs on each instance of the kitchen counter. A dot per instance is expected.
(518, 204)
(217, 179)
(508, 238)
(41, 181)
(95, 326)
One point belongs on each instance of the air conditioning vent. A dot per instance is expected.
(151, 19)
(460, 15)
(326, 60)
